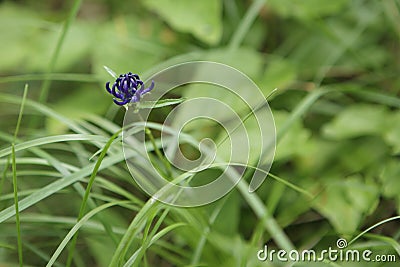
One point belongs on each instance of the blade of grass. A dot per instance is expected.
(21, 111)
(65, 222)
(149, 239)
(263, 214)
(3, 177)
(246, 23)
(41, 254)
(12, 99)
(388, 240)
(64, 182)
(372, 227)
(77, 226)
(56, 186)
(77, 186)
(254, 202)
(299, 111)
(87, 192)
(17, 221)
(73, 77)
(136, 224)
(201, 243)
(136, 255)
(14, 175)
(53, 139)
(44, 91)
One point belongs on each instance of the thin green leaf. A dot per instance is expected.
(76, 227)
(156, 237)
(87, 192)
(160, 103)
(44, 90)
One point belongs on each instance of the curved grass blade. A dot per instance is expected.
(77, 226)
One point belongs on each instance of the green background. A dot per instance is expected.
(336, 169)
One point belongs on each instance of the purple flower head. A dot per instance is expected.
(128, 88)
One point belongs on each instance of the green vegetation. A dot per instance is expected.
(336, 171)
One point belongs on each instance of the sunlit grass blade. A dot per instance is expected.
(76, 227)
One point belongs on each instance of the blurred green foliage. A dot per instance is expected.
(344, 149)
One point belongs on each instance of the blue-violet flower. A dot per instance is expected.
(128, 88)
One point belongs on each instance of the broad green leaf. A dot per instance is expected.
(390, 179)
(361, 153)
(392, 135)
(294, 141)
(357, 120)
(346, 202)
(201, 18)
(391, 182)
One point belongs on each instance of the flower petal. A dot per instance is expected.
(121, 103)
(108, 87)
(148, 89)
